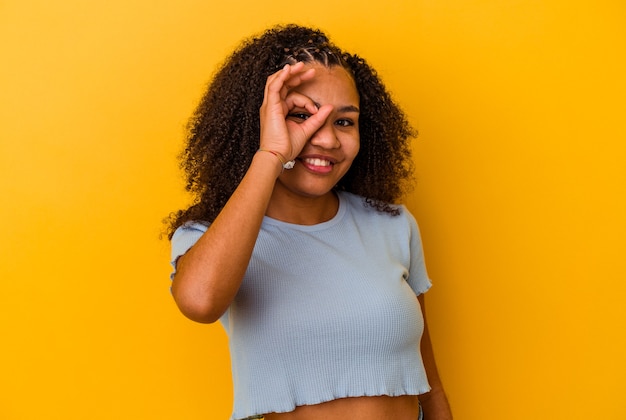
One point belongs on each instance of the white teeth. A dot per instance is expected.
(317, 162)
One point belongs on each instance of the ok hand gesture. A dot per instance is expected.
(278, 134)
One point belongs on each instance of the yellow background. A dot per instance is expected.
(520, 196)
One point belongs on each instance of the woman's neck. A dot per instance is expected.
(301, 210)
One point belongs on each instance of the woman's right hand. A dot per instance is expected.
(277, 133)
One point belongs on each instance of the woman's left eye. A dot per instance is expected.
(345, 123)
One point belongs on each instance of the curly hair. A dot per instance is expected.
(223, 132)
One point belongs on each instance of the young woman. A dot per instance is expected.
(296, 156)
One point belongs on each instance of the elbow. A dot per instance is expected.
(199, 314)
(197, 307)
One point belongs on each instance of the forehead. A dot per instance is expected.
(330, 85)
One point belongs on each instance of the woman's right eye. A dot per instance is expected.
(298, 116)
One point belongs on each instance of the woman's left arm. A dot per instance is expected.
(434, 403)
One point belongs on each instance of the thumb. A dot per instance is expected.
(315, 121)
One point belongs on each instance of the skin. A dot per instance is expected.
(303, 194)
(310, 114)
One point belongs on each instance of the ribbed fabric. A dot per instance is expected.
(326, 311)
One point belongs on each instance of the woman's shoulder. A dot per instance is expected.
(192, 227)
(398, 219)
(362, 206)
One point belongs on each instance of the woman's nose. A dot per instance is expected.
(325, 137)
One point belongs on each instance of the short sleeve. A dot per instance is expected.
(418, 276)
(184, 238)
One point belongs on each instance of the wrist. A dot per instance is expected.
(267, 160)
(284, 163)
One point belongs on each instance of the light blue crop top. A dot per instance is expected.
(326, 311)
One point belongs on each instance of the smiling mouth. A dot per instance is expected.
(317, 162)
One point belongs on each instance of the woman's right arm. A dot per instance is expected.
(209, 275)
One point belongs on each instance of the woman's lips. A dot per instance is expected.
(317, 165)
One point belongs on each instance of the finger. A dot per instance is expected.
(296, 100)
(299, 75)
(281, 76)
(275, 93)
(315, 121)
(274, 82)
(287, 78)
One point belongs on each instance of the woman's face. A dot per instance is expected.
(329, 153)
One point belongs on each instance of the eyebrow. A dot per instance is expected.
(349, 108)
(346, 108)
